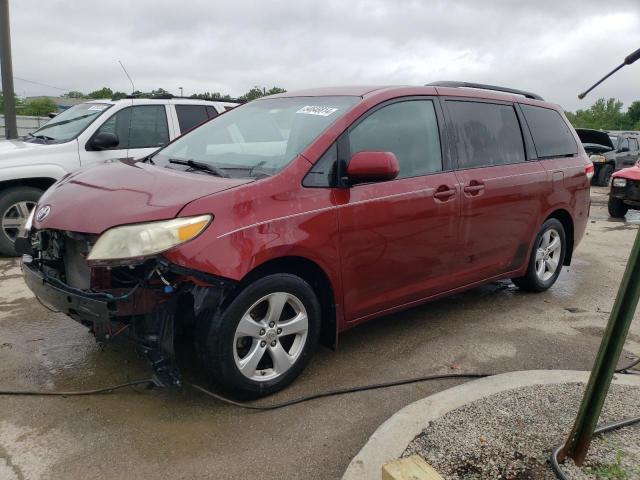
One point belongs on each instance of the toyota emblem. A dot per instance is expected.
(43, 212)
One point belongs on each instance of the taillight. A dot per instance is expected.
(589, 170)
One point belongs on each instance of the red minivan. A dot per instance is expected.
(290, 219)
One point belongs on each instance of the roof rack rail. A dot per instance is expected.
(482, 86)
(169, 96)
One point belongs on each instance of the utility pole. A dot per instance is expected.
(624, 307)
(181, 92)
(10, 124)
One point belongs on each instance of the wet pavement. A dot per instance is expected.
(185, 435)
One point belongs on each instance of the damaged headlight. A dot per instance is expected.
(144, 239)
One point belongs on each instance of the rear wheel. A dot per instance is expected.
(617, 208)
(262, 341)
(15, 205)
(603, 176)
(546, 258)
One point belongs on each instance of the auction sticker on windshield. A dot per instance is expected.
(316, 110)
(97, 107)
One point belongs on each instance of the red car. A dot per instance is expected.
(293, 218)
(625, 191)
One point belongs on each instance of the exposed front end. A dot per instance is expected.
(147, 300)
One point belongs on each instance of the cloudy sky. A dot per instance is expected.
(553, 47)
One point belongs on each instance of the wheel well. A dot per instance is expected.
(567, 222)
(38, 182)
(315, 276)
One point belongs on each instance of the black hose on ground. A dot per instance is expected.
(339, 391)
(604, 429)
(147, 381)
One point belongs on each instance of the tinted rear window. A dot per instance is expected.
(191, 115)
(551, 135)
(486, 134)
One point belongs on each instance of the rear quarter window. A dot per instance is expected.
(551, 134)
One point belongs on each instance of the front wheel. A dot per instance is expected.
(546, 258)
(263, 340)
(16, 204)
(617, 208)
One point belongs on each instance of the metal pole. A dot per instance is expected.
(10, 123)
(604, 366)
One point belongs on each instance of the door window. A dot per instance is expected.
(624, 143)
(634, 144)
(551, 134)
(191, 115)
(142, 126)
(408, 129)
(486, 134)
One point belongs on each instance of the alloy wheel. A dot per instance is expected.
(15, 217)
(270, 336)
(548, 254)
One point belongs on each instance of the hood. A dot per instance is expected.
(632, 173)
(595, 140)
(116, 193)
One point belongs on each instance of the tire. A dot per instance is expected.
(617, 208)
(603, 176)
(224, 348)
(540, 276)
(15, 205)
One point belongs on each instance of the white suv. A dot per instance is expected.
(86, 134)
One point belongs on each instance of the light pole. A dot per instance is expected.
(181, 92)
(10, 125)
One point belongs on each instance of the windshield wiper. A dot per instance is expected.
(205, 167)
(45, 138)
(252, 169)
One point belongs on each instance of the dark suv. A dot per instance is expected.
(297, 216)
(622, 151)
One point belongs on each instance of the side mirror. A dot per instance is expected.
(104, 141)
(373, 167)
(623, 149)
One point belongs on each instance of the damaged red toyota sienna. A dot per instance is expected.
(290, 219)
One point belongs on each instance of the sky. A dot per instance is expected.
(555, 48)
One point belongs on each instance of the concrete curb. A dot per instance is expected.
(392, 437)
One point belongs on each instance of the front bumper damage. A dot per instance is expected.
(148, 302)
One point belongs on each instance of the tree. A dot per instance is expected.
(38, 107)
(257, 92)
(104, 92)
(74, 94)
(633, 115)
(603, 114)
(118, 95)
(211, 96)
(160, 92)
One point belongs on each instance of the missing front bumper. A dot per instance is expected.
(149, 318)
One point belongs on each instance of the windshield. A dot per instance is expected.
(70, 123)
(614, 139)
(256, 139)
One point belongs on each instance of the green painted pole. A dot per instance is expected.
(624, 308)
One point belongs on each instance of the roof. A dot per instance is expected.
(179, 101)
(403, 90)
(350, 91)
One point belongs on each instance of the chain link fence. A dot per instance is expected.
(26, 124)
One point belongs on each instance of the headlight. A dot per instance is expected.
(619, 182)
(144, 239)
(597, 158)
